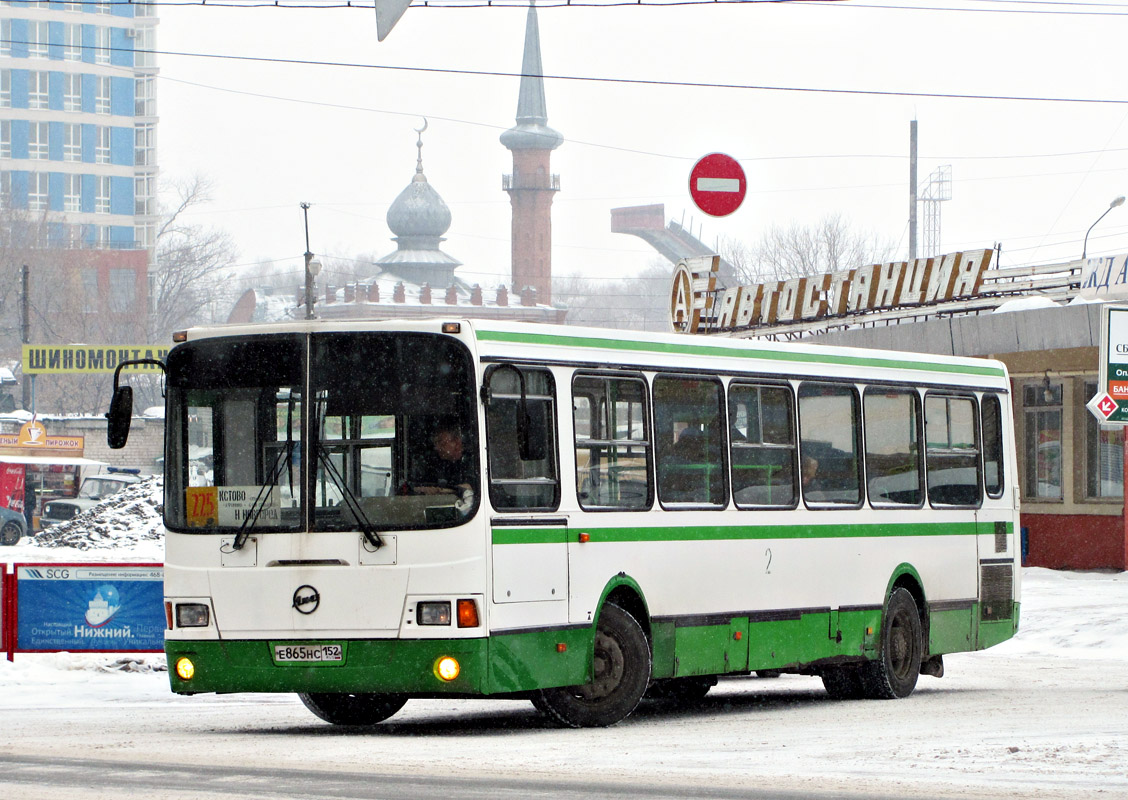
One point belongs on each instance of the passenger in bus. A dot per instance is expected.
(808, 471)
(444, 469)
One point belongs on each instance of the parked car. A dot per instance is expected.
(94, 490)
(13, 526)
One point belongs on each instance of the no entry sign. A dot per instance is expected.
(717, 184)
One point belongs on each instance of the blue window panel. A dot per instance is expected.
(123, 237)
(121, 198)
(88, 142)
(19, 38)
(89, 186)
(19, 143)
(121, 147)
(122, 53)
(121, 96)
(55, 40)
(56, 232)
(55, 91)
(89, 87)
(123, 10)
(19, 185)
(55, 191)
(88, 43)
(54, 144)
(19, 88)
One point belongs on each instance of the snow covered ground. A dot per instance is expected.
(1043, 715)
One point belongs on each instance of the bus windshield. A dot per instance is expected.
(390, 422)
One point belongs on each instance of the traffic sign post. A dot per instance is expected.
(717, 184)
(1110, 404)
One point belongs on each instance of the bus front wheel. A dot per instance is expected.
(893, 674)
(353, 709)
(620, 674)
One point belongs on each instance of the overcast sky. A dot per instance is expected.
(1030, 174)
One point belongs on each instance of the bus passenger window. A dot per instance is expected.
(992, 445)
(762, 441)
(829, 431)
(952, 451)
(689, 441)
(893, 473)
(612, 443)
(517, 483)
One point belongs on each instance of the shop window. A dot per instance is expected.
(1041, 405)
(1104, 456)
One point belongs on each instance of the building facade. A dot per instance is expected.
(78, 120)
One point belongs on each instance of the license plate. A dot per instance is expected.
(319, 652)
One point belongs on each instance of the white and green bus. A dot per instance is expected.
(364, 512)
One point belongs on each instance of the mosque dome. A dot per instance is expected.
(419, 210)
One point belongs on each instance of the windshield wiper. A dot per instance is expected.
(366, 526)
(253, 513)
(256, 508)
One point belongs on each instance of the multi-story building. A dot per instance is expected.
(78, 119)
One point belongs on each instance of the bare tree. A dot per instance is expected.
(636, 303)
(190, 273)
(797, 250)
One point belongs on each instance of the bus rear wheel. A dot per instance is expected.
(353, 709)
(893, 674)
(620, 674)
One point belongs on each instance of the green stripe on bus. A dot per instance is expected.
(714, 350)
(702, 533)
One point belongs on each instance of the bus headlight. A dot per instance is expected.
(447, 668)
(192, 615)
(185, 669)
(433, 613)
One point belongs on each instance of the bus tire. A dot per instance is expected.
(893, 674)
(842, 683)
(620, 675)
(353, 709)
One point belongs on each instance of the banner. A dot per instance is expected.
(89, 607)
(87, 359)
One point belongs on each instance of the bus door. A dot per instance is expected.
(995, 523)
(529, 550)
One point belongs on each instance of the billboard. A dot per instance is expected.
(88, 607)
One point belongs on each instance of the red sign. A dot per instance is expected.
(717, 184)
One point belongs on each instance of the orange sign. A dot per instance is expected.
(32, 434)
(203, 506)
(1118, 390)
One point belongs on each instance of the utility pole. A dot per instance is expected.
(912, 190)
(309, 269)
(25, 334)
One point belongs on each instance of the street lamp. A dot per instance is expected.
(1114, 204)
(312, 266)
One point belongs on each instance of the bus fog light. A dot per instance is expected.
(447, 668)
(433, 613)
(185, 669)
(192, 615)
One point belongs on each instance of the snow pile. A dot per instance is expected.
(119, 522)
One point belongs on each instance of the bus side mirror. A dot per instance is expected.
(119, 417)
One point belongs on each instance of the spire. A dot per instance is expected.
(530, 101)
(531, 131)
(419, 176)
